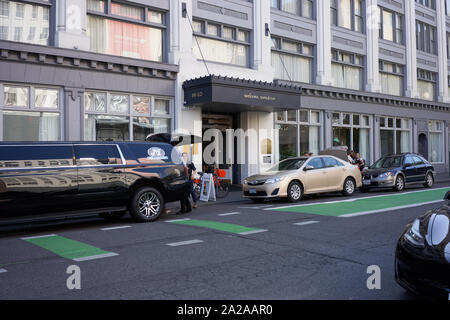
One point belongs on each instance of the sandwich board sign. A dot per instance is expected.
(208, 192)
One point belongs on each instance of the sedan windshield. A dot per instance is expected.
(288, 164)
(387, 162)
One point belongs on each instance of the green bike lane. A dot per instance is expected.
(367, 205)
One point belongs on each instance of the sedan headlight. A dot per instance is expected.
(386, 174)
(274, 180)
(413, 236)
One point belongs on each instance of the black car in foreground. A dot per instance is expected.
(397, 171)
(422, 259)
(42, 180)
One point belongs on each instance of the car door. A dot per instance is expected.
(421, 169)
(335, 173)
(36, 179)
(409, 169)
(315, 176)
(102, 178)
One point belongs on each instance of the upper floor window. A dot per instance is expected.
(130, 32)
(447, 7)
(292, 60)
(427, 3)
(426, 37)
(426, 84)
(304, 8)
(347, 69)
(391, 78)
(24, 22)
(391, 25)
(348, 14)
(221, 43)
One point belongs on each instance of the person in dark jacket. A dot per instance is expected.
(191, 171)
(185, 203)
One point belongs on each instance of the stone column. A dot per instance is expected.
(411, 52)
(373, 75)
(71, 24)
(442, 52)
(323, 75)
(261, 40)
(73, 114)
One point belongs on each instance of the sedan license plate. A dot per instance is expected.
(252, 190)
(366, 182)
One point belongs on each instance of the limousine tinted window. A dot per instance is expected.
(151, 153)
(91, 155)
(12, 156)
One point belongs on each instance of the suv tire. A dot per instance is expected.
(429, 180)
(399, 183)
(146, 204)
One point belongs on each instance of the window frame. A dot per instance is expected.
(300, 9)
(334, 10)
(395, 27)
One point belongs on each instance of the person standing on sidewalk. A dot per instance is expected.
(191, 172)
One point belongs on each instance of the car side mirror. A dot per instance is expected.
(307, 168)
(447, 196)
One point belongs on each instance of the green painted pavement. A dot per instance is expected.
(368, 203)
(66, 248)
(227, 227)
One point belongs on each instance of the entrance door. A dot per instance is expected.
(222, 122)
(423, 145)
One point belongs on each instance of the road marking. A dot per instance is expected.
(98, 256)
(350, 215)
(176, 220)
(305, 223)
(183, 243)
(3, 270)
(220, 226)
(68, 248)
(252, 232)
(228, 214)
(38, 237)
(354, 199)
(367, 205)
(115, 228)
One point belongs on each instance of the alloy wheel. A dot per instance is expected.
(149, 204)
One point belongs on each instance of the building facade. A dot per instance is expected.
(373, 74)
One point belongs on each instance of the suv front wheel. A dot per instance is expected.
(146, 204)
(399, 183)
(429, 180)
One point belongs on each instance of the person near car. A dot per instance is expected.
(191, 172)
(350, 157)
(359, 161)
(185, 203)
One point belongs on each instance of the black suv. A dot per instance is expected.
(397, 171)
(109, 178)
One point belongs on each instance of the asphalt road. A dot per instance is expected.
(250, 253)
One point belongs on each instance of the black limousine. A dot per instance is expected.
(54, 179)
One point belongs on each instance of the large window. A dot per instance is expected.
(391, 25)
(129, 32)
(121, 117)
(436, 147)
(304, 8)
(427, 3)
(24, 22)
(391, 78)
(426, 84)
(395, 134)
(292, 60)
(298, 132)
(426, 38)
(31, 113)
(221, 43)
(347, 70)
(348, 14)
(352, 131)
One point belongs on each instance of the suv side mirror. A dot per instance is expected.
(307, 168)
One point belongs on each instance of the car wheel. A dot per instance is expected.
(349, 187)
(258, 200)
(113, 216)
(294, 191)
(399, 183)
(429, 180)
(147, 204)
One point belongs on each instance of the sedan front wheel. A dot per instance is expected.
(295, 191)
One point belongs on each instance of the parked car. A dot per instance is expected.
(422, 259)
(294, 177)
(397, 171)
(66, 178)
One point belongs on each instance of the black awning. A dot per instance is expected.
(223, 94)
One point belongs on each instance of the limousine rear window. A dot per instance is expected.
(92, 155)
(152, 153)
(23, 156)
